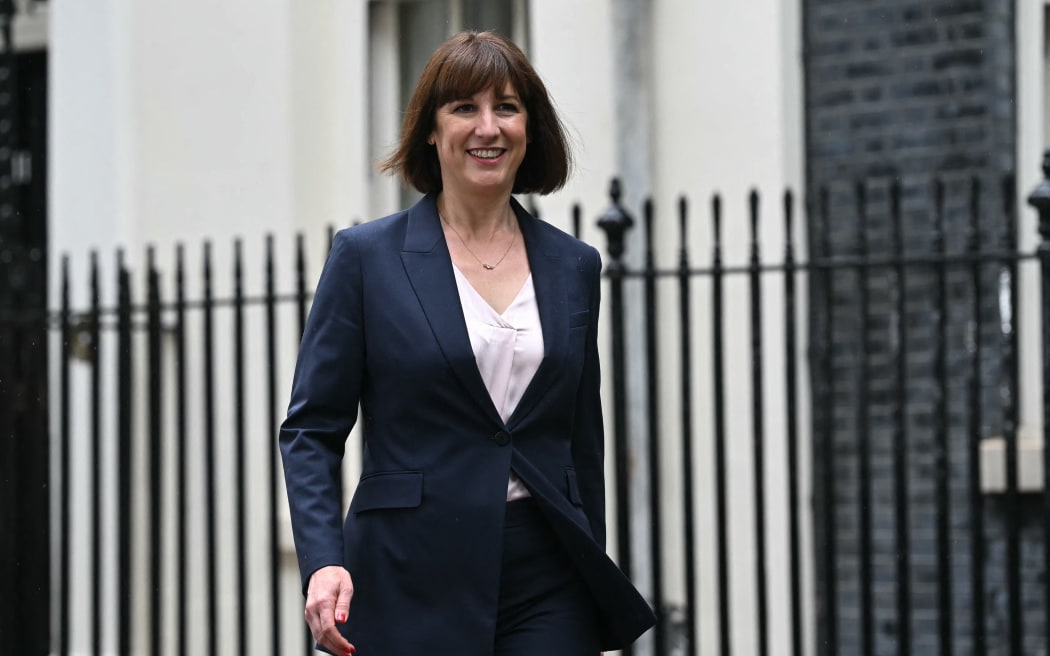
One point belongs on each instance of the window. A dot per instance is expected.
(403, 35)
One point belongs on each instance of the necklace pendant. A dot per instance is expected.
(490, 267)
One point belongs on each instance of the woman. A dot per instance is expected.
(466, 329)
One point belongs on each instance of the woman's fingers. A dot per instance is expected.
(327, 602)
(342, 602)
(322, 625)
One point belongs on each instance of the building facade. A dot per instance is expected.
(178, 122)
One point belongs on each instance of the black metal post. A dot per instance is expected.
(300, 311)
(791, 418)
(615, 221)
(240, 436)
(940, 414)
(181, 429)
(863, 426)
(826, 434)
(300, 286)
(273, 491)
(95, 337)
(976, 496)
(721, 461)
(901, 480)
(689, 527)
(156, 448)
(1008, 396)
(65, 502)
(758, 431)
(1040, 200)
(125, 417)
(653, 411)
(210, 449)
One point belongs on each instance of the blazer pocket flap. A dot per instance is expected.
(573, 487)
(578, 319)
(402, 489)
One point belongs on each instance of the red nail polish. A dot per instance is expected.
(340, 617)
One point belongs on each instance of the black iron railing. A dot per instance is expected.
(910, 351)
(902, 402)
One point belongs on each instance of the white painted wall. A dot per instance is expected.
(579, 77)
(217, 119)
(1033, 139)
(85, 125)
(88, 125)
(180, 122)
(727, 120)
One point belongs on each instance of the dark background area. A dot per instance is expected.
(24, 455)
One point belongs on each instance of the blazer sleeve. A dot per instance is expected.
(588, 440)
(323, 408)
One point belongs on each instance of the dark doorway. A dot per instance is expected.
(24, 455)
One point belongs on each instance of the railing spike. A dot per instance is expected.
(615, 221)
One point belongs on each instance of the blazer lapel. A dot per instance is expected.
(429, 269)
(551, 299)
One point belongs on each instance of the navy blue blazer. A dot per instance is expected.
(423, 535)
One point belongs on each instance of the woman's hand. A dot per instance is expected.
(327, 602)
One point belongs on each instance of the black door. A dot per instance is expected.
(24, 483)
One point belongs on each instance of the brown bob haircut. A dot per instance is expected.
(463, 65)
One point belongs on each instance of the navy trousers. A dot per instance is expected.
(543, 606)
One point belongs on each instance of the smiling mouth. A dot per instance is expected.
(486, 153)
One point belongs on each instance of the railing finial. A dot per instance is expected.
(1040, 200)
(615, 221)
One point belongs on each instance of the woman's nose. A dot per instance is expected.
(486, 125)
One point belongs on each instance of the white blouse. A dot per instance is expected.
(508, 348)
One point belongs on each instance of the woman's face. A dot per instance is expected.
(481, 141)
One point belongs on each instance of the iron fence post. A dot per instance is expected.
(1040, 200)
(616, 221)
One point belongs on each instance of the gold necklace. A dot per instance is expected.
(487, 266)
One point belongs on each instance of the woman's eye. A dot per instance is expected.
(508, 107)
(465, 107)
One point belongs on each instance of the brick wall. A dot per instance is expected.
(907, 90)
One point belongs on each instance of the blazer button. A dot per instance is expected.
(501, 438)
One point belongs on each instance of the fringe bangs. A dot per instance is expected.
(475, 66)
